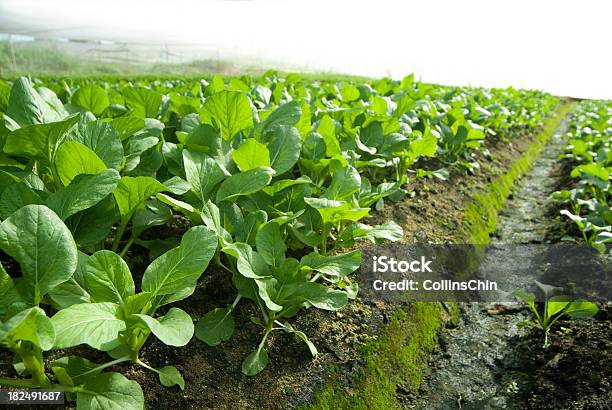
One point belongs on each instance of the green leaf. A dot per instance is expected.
(318, 295)
(345, 182)
(84, 192)
(95, 324)
(244, 183)
(108, 278)
(203, 174)
(333, 211)
(103, 140)
(173, 276)
(127, 126)
(286, 115)
(110, 391)
(175, 328)
(91, 97)
(17, 196)
(74, 367)
(349, 93)
(327, 129)
(270, 244)
(255, 362)
(144, 102)
(250, 264)
(231, 110)
(72, 291)
(215, 327)
(131, 192)
(337, 266)
(251, 154)
(40, 141)
(581, 310)
(74, 158)
(44, 248)
(170, 376)
(556, 304)
(25, 106)
(30, 325)
(285, 146)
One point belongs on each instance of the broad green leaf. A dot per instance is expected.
(103, 140)
(155, 213)
(285, 146)
(91, 97)
(39, 141)
(581, 310)
(255, 362)
(108, 278)
(17, 196)
(127, 125)
(250, 264)
(345, 182)
(215, 327)
(44, 248)
(74, 367)
(74, 158)
(349, 93)
(95, 324)
(93, 225)
(318, 295)
(25, 106)
(270, 244)
(170, 376)
(175, 328)
(110, 391)
(144, 102)
(173, 276)
(30, 325)
(244, 183)
(556, 304)
(72, 291)
(333, 211)
(231, 110)
(84, 192)
(337, 265)
(327, 129)
(131, 192)
(287, 115)
(251, 154)
(203, 174)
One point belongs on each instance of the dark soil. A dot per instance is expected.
(575, 372)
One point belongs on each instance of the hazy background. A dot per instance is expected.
(560, 46)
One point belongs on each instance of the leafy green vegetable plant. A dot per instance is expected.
(555, 307)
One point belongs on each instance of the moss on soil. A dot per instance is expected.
(394, 362)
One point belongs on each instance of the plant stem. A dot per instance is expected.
(119, 234)
(146, 366)
(127, 246)
(17, 382)
(104, 366)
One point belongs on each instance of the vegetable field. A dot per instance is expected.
(221, 223)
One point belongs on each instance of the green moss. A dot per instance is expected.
(397, 357)
(393, 359)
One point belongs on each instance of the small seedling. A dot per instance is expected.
(555, 307)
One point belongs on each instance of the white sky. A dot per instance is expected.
(564, 47)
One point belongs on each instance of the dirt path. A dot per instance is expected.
(483, 362)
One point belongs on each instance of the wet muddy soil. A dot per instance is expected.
(488, 362)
